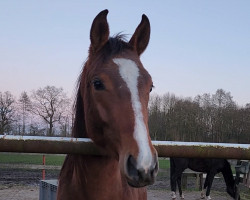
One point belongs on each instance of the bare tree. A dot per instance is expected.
(223, 106)
(155, 117)
(6, 111)
(24, 106)
(66, 122)
(49, 104)
(208, 118)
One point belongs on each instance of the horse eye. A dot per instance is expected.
(98, 85)
(152, 86)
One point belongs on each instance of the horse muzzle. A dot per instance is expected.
(140, 177)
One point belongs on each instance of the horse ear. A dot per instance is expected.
(99, 32)
(140, 38)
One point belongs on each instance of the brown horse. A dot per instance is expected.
(111, 109)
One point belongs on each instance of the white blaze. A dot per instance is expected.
(130, 73)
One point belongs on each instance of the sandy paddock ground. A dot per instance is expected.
(20, 193)
(32, 193)
(19, 184)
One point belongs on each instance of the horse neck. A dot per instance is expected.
(81, 175)
(92, 167)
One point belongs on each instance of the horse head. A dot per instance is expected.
(233, 191)
(114, 92)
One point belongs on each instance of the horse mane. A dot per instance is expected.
(114, 46)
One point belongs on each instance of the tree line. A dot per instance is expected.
(205, 118)
(46, 111)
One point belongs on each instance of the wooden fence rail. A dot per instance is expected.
(65, 145)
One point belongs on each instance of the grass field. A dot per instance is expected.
(57, 160)
(34, 159)
(164, 163)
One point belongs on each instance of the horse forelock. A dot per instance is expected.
(115, 45)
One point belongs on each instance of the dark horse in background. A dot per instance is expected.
(111, 109)
(209, 166)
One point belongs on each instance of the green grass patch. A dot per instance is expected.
(164, 163)
(34, 159)
(57, 160)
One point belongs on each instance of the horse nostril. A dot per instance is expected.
(155, 170)
(145, 177)
(131, 167)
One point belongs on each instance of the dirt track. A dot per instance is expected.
(20, 193)
(22, 184)
(32, 193)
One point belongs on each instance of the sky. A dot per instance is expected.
(196, 47)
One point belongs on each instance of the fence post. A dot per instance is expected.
(43, 170)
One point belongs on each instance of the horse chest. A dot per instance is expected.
(88, 179)
(108, 184)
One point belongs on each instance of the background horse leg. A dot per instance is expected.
(236, 186)
(179, 186)
(173, 185)
(177, 166)
(176, 177)
(204, 188)
(173, 179)
(210, 178)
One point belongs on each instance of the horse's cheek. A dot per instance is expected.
(102, 113)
